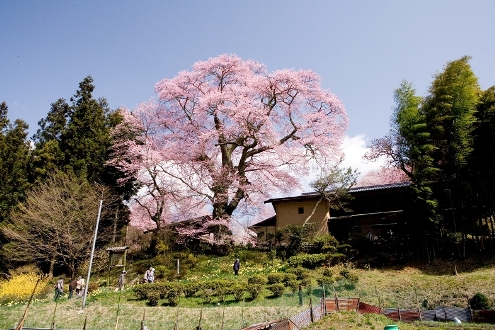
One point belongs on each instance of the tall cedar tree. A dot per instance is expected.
(76, 140)
(14, 155)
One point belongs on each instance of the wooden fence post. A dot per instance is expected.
(323, 305)
(200, 318)
(311, 316)
(176, 325)
(23, 318)
(223, 317)
(142, 321)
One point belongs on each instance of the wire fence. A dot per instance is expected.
(333, 305)
(294, 311)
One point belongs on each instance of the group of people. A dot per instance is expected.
(76, 285)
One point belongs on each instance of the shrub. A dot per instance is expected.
(161, 271)
(206, 295)
(216, 284)
(344, 272)
(323, 243)
(189, 289)
(254, 290)
(293, 285)
(144, 291)
(300, 273)
(238, 291)
(479, 302)
(257, 279)
(153, 298)
(277, 289)
(324, 281)
(327, 272)
(310, 261)
(140, 291)
(173, 294)
(334, 258)
(352, 277)
(222, 292)
(289, 277)
(276, 278)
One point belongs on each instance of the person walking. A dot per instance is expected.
(59, 288)
(72, 287)
(122, 280)
(237, 265)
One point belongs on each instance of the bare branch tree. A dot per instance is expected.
(55, 224)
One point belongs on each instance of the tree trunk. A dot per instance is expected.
(491, 225)
(115, 218)
(52, 266)
(482, 235)
(313, 212)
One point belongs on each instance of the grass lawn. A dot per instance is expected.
(352, 320)
(412, 286)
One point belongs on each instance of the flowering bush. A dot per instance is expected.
(20, 287)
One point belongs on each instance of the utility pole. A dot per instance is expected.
(92, 254)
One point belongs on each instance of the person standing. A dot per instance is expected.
(59, 288)
(80, 286)
(237, 265)
(149, 276)
(72, 288)
(122, 280)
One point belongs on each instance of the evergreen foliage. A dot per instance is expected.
(443, 143)
(14, 155)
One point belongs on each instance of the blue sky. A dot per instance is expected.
(361, 49)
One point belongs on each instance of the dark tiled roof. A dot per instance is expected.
(271, 221)
(312, 195)
(381, 186)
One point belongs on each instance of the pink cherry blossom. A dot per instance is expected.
(227, 134)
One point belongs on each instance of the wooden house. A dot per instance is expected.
(374, 211)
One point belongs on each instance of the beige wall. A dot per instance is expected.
(288, 214)
(265, 230)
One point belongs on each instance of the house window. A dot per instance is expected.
(300, 210)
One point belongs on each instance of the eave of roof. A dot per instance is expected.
(313, 195)
(271, 221)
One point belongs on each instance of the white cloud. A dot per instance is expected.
(354, 149)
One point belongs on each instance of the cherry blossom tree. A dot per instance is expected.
(383, 175)
(228, 133)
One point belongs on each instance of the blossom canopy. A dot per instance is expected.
(228, 133)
